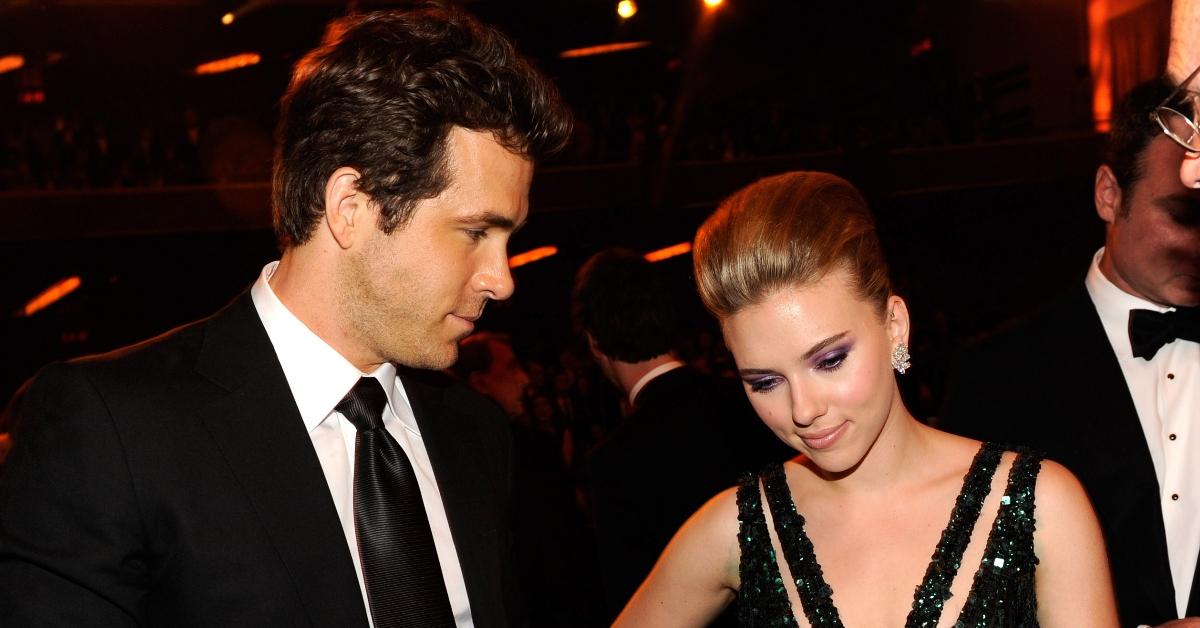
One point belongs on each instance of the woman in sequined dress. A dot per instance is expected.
(877, 503)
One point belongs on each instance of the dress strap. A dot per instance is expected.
(763, 598)
(815, 594)
(934, 589)
(1009, 550)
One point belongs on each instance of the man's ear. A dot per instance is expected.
(347, 210)
(1108, 194)
(593, 346)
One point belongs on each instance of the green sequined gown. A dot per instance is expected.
(1002, 594)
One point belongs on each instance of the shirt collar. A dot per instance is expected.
(650, 375)
(317, 374)
(1113, 305)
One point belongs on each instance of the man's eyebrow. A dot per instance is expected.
(492, 219)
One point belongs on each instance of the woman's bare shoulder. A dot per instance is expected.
(1059, 490)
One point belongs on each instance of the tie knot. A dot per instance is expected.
(363, 405)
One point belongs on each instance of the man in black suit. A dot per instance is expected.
(686, 437)
(1107, 379)
(286, 462)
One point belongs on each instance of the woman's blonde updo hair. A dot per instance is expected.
(788, 230)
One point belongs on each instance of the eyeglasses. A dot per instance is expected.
(1178, 126)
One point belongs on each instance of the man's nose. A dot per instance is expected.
(495, 281)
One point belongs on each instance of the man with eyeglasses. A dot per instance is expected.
(1107, 379)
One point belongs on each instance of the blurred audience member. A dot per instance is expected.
(487, 364)
(1107, 379)
(643, 476)
(554, 554)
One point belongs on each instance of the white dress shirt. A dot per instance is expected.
(665, 367)
(319, 378)
(1166, 394)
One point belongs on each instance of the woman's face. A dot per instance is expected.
(816, 364)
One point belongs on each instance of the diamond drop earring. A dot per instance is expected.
(900, 358)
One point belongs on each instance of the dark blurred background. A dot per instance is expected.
(973, 126)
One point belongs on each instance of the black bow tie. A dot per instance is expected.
(1150, 330)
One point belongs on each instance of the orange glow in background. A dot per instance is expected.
(229, 63)
(602, 49)
(528, 257)
(52, 294)
(1101, 62)
(669, 252)
(11, 62)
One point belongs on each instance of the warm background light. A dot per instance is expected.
(626, 9)
(227, 19)
(229, 63)
(712, 4)
(1100, 61)
(52, 294)
(11, 62)
(528, 257)
(669, 252)
(603, 49)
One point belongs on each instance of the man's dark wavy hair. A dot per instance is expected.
(1133, 130)
(628, 306)
(381, 94)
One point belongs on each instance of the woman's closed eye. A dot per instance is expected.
(763, 384)
(832, 361)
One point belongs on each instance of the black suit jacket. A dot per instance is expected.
(1052, 382)
(172, 483)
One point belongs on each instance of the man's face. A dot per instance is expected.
(505, 381)
(409, 297)
(1153, 250)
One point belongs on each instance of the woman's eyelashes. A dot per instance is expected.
(763, 384)
(833, 360)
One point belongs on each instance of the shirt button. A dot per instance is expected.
(1172, 437)
(1170, 376)
(1175, 497)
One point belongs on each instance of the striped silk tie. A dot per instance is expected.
(400, 565)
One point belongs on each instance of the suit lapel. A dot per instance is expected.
(258, 430)
(1115, 454)
(459, 455)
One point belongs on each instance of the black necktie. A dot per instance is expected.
(399, 561)
(1150, 330)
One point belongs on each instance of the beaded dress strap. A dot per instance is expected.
(1008, 553)
(816, 597)
(934, 589)
(763, 598)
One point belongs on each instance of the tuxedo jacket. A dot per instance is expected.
(1052, 382)
(173, 483)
